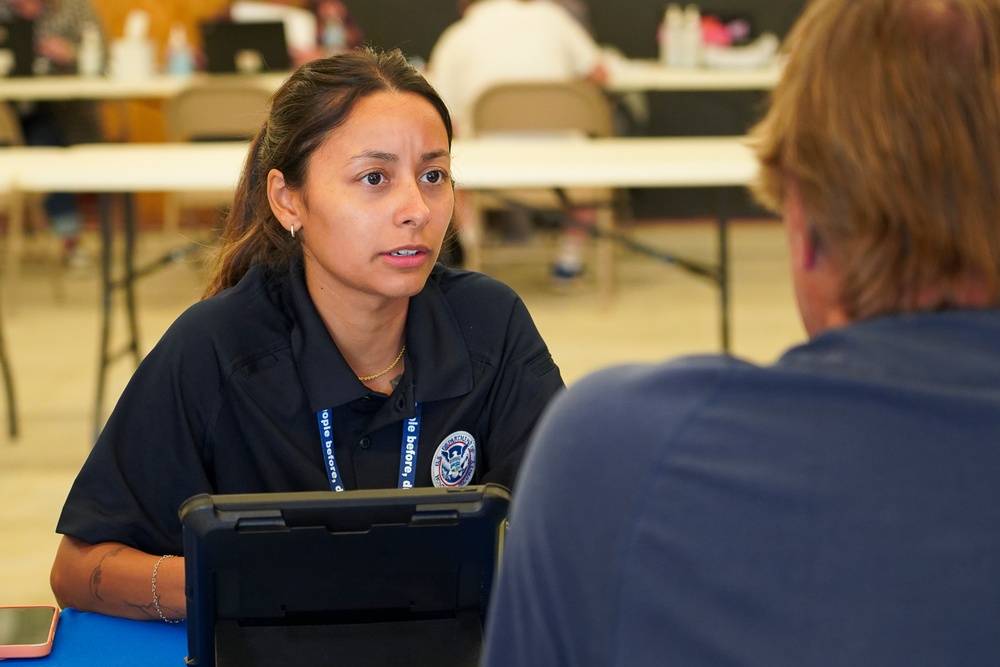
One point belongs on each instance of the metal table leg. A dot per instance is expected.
(110, 284)
(126, 281)
(722, 220)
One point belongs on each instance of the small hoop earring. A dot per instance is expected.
(292, 230)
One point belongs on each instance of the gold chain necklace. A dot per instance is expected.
(366, 378)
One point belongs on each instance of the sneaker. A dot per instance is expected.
(75, 257)
(565, 278)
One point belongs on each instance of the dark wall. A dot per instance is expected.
(630, 25)
(411, 25)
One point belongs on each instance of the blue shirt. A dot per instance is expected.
(841, 507)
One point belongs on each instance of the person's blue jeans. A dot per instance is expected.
(41, 129)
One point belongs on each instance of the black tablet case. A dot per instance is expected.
(222, 40)
(374, 577)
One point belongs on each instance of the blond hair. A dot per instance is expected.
(887, 118)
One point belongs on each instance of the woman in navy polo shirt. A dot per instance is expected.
(330, 352)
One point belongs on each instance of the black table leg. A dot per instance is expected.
(107, 294)
(129, 276)
(724, 305)
(109, 285)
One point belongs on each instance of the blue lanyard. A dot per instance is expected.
(407, 453)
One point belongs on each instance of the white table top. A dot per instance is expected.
(69, 87)
(522, 162)
(125, 167)
(625, 75)
(649, 75)
(633, 162)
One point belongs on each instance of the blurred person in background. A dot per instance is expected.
(500, 41)
(578, 9)
(59, 27)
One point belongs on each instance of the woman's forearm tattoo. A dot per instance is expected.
(97, 574)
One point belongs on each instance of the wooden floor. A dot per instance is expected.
(52, 337)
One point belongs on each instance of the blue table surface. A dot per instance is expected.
(84, 639)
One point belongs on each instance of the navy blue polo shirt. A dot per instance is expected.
(227, 402)
(837, 508)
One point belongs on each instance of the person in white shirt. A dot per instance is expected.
(498, 41)
(59, 33)
(509, 40)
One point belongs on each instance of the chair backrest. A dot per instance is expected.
(218, 110)
(543, 107)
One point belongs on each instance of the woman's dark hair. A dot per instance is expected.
(316, 99)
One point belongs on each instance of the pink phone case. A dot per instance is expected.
(32, 650)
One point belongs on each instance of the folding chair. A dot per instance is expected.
(226, 109)
(543, 107)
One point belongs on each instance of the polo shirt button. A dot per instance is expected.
(400, 402)
(365, 442)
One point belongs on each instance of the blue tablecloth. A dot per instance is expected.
(84, 639)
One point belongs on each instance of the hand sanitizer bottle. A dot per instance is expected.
(89, 56)
(673, 31)
(691, 37)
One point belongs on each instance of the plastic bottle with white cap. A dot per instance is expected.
(89, 56)
(671, 32)
(133, 55)
(691, 40)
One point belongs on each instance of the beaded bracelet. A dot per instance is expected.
(156, 596)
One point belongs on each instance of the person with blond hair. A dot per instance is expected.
(840, 506)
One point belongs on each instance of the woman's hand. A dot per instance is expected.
(58, 50)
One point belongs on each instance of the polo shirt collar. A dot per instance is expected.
(439, 359)
(438, 365)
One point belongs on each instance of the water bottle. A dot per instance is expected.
(89, 59)
(334, 36)
(671, 34)
(691, 40)
(180, 55)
